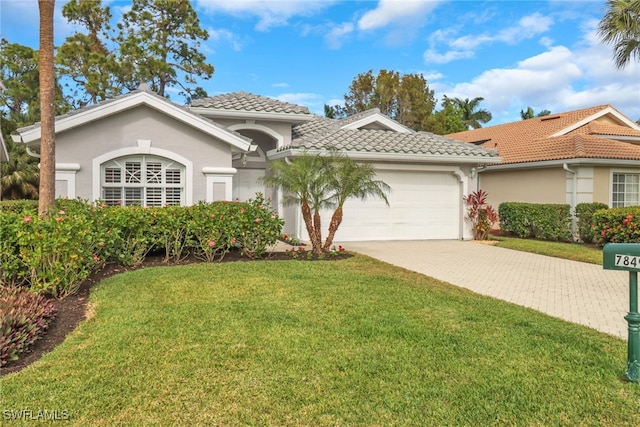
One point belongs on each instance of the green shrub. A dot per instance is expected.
(541, 221)
(13, 269)
(258, 227)
(584, 214)
(18, 206)
(208, 231)
(24, 316)
(619, 225)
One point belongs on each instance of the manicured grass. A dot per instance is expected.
(572, 251)
(339, 343)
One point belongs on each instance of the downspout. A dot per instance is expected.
(574, 196)
(298, 226)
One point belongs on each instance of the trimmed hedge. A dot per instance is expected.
(541, 221)
(619, 225)
(584, 214)
(53, 256)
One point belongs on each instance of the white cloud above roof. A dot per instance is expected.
(270, 13)
(395, 12)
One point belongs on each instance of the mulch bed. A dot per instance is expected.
(71, 310)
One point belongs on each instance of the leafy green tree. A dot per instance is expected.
(472, 116)
(85, 58)
(334, 112)
(320, 181)
(446, 120)
(305, 182)
(529, 114)
(20, 175)
(20, 74)
(158, 39)
(351, 180)
(620, 27)
(46, 193)
(405, 98)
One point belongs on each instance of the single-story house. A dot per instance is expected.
(142, 149)
(581, 156)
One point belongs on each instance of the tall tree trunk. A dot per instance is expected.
(308, 221)
(317, 239)
(336, 220)
(47, 109)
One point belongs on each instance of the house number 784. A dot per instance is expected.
(627, 261)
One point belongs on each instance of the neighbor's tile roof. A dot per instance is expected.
(323, 133)
(243, 101)
(531, 140)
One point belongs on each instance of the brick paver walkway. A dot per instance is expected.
(574, 291)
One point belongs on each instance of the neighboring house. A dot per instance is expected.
(142, 149)
(588, 155)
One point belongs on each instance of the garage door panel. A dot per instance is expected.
(423, 205)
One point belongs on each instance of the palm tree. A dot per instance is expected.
(47, 109)
(304, 181)
(471, 115)
(620, 27)
(20, 175)
(351, 179)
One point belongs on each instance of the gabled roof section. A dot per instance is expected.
(248, 105)
(323, 133)
(372, 119)
(597, 132)
(30, 135)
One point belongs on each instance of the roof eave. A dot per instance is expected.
(398, 157)
(31, 137)
(582, 161)
(603, 112)
(253, 115)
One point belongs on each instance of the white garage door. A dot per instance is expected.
(423, 205)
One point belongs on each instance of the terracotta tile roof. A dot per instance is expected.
(243, 101)
(532, 141)
(323, 132)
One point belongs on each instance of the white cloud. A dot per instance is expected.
(558, 79)
(395, 12)
(226, 36)
(281, 85)
(270, 13)
(313, 101)
(464, 47)
(335, 37)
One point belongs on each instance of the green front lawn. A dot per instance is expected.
(572, 251)
(349, 342)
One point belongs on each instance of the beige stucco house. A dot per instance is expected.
(588, 155)
(142, 149)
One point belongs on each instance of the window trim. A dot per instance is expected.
(143, 148)
(619, 172)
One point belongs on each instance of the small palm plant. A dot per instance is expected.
(481, 215)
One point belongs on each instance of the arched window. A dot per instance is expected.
(142, 180)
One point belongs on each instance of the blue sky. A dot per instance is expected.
(514, 54)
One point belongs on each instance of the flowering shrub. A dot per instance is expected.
(584, 214)
(24, 316)
(53, 255)
(481, 214)
(619, 225)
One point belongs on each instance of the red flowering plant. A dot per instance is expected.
(481, 214)
(619, 225)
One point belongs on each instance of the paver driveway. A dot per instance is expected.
(574, 291)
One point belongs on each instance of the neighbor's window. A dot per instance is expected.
(143, 181)
(626, 190)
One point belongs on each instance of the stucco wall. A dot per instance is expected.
(81, 145)
(547, 185)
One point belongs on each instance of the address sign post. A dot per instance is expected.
(626, 256)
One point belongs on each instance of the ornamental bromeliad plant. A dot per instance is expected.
(481, 214)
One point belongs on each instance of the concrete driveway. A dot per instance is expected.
(574, 291)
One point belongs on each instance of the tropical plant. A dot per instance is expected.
(472, 116)
(351, 179)
(20, 175)
(305, 182)
(530, 114)
(481, 215)
(620, 27)
(319, 181)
